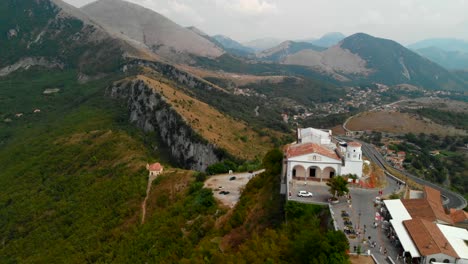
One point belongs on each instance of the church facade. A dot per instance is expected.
(316, 157)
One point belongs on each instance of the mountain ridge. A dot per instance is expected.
(328, 39)
(161, 35)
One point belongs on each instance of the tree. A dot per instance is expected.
(338, 186)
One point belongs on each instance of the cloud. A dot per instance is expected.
(248, 7)
(402, 20)
(186, 11)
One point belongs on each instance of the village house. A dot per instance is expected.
(314, 156)
(154, 169)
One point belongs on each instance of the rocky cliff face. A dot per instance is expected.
(151, 112)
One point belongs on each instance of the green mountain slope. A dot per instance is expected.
(40, 29)
(394, 64)
(233, 46)
(446, 44)
(453, 60)
(280, 52)
(73, 179)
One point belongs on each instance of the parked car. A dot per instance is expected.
(232, 178)
(304, 194)
(224, 192)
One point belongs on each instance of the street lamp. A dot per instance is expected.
(359, 220)
(359, 223)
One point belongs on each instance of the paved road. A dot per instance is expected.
(362, 213)
(451, 199)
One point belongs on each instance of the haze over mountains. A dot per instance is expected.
(358, 57)
(449, 53)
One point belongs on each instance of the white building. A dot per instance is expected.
(315, 156)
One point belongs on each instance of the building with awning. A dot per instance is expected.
(398, 214)
(425, 230)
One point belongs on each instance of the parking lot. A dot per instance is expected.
(227, 187)
(318, 189)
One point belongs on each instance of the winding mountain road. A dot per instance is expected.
(451, 199)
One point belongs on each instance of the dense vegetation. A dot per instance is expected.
(73, 185)
(72, 176)
(458, 120)
(303, 91)
(326, 121)
(448, 165)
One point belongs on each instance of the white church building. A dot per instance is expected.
(316, 157)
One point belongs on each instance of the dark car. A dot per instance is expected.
(224, 192)
(232, 178)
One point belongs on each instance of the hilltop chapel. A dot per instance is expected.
(316, 156)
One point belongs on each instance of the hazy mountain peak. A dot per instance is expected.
(286, 48)
(263, 43)
(446, 44)
(329, 39)
(157, 32)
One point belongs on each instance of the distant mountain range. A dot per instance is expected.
(262, 44)
(449, 53)
(447, 44)
(363, 57)
(392, 63)
(328, 39)
(282, 51)
(233, 46)
(143, 33)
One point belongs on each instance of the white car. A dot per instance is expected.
(304, 194)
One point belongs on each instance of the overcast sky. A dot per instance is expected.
(405, 21)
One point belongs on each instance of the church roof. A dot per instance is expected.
(354, 144)
(295, 150)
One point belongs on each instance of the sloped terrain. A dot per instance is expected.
(396, 122)
(452, 60)
(233, 46)
(280, 52)
(234, 136)
(394, 64)
(160, 34)
(46, 35)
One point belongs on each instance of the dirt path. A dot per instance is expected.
(143, 204)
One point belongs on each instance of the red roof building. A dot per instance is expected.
(310, 148)
(154, 169)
